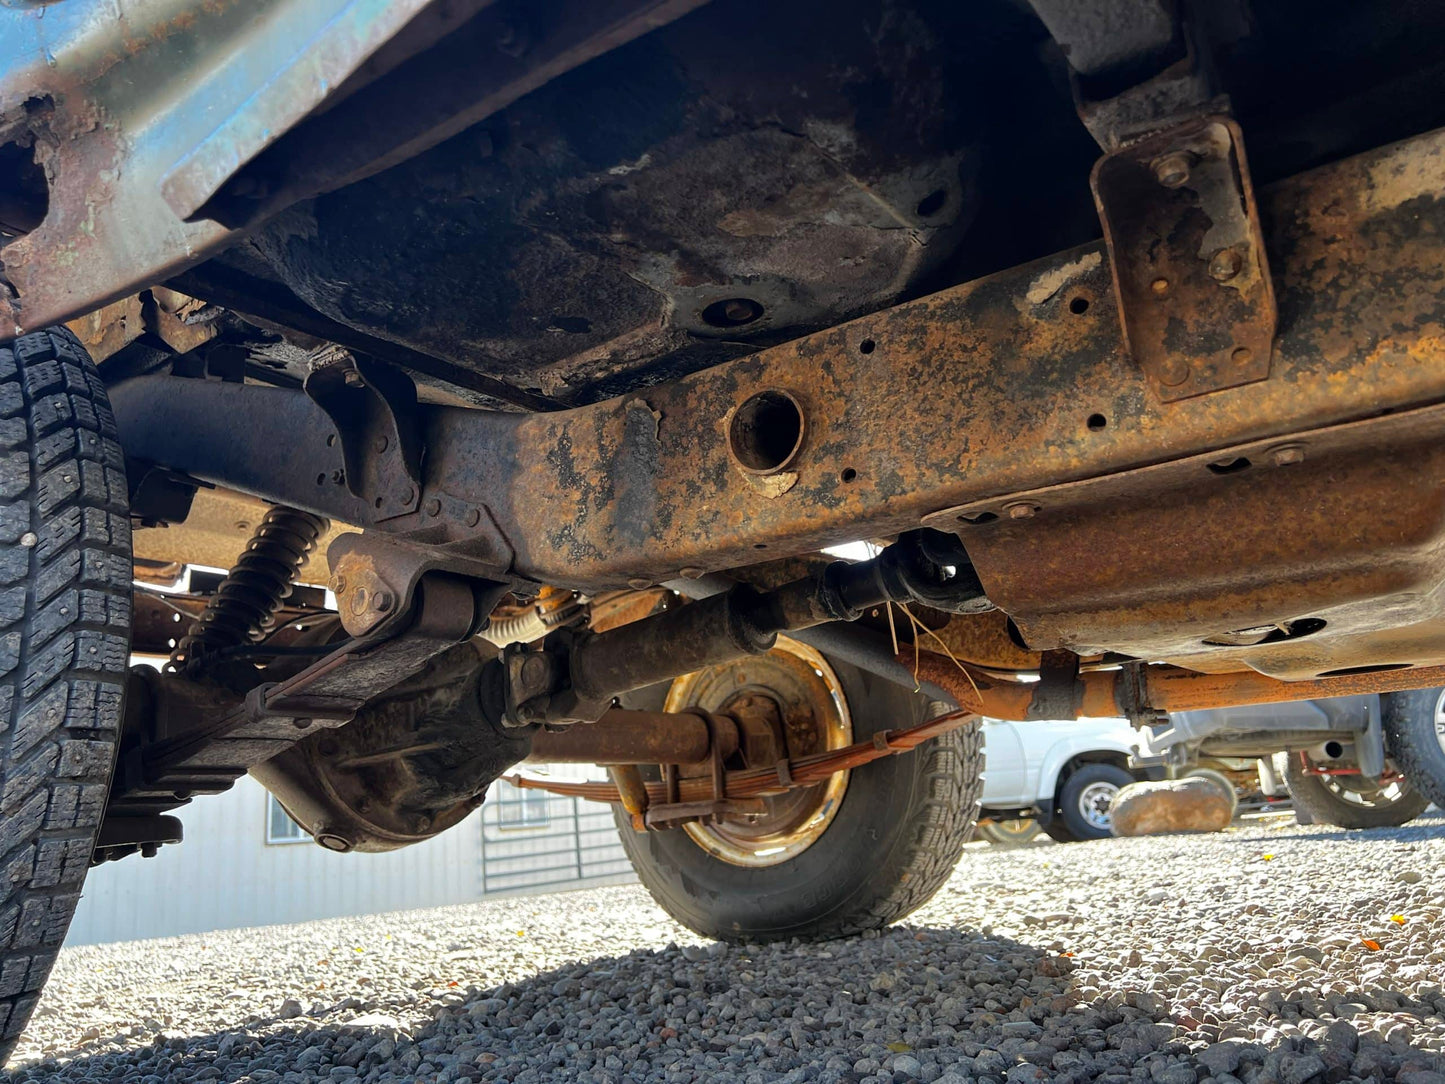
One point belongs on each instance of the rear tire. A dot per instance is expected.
(1414, 725)
(65, 569)
(1325, 805)
(1080, 817)
(898, 832)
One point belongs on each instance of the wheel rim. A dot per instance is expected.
(1018, 828)
(815, 719)
(1095, 801)
(1440, 719)
(1358, 791)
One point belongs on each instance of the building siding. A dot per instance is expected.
(225, 875)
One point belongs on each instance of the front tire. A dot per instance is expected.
(65, 569)
(1414, 725)
(899, 829)
(1084, 801)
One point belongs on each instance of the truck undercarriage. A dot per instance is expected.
(584, 328)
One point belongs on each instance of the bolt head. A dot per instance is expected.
(353, 379)
(1173, 371)
(1226, 264)
(382, 601)
(692, 573)
(637, 583)
(1159, 287)
(1172, 170)
(433, 507)
(360, 600)
(1022, 510)
(473, 517)
(1242, 355)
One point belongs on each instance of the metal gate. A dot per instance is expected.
(533, 841)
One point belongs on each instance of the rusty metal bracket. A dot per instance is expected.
(1059, 692)
(1184, 240)
(374, 410)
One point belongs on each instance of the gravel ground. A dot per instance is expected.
(1271, 954)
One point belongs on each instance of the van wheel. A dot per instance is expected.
(65, 569)
(1085, 800)
(1351, 801)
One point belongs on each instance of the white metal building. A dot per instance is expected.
(244, 863)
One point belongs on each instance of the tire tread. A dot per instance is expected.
(64, 645)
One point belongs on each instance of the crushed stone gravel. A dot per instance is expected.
(1269, 954)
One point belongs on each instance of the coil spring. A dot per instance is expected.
(243, 609)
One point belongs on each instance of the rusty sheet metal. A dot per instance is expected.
(1162, 688)
(981, 391)
(983, 640)
(1295, 558)
(110, 328)
(112, 104)
(1185, 245)
(139, 121)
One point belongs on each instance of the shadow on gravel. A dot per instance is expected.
(914, 1003)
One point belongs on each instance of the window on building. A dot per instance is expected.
(280, 828)
(517, 808)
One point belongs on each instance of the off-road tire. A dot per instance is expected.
(1069, 824)
(898, 833)
(1413, 742)
(1310, 793)
(65, 569)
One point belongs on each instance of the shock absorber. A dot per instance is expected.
(243, 609)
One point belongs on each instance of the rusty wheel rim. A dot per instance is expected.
(815, 718)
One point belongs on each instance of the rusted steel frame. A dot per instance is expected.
(990, 389)
(1112, 693)
(623, 736)
(1159, 562)
(147, 123)
(980, 391)
(1184, 240)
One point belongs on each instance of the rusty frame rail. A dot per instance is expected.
(911, 415)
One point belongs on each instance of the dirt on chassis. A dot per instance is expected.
(571, 334)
